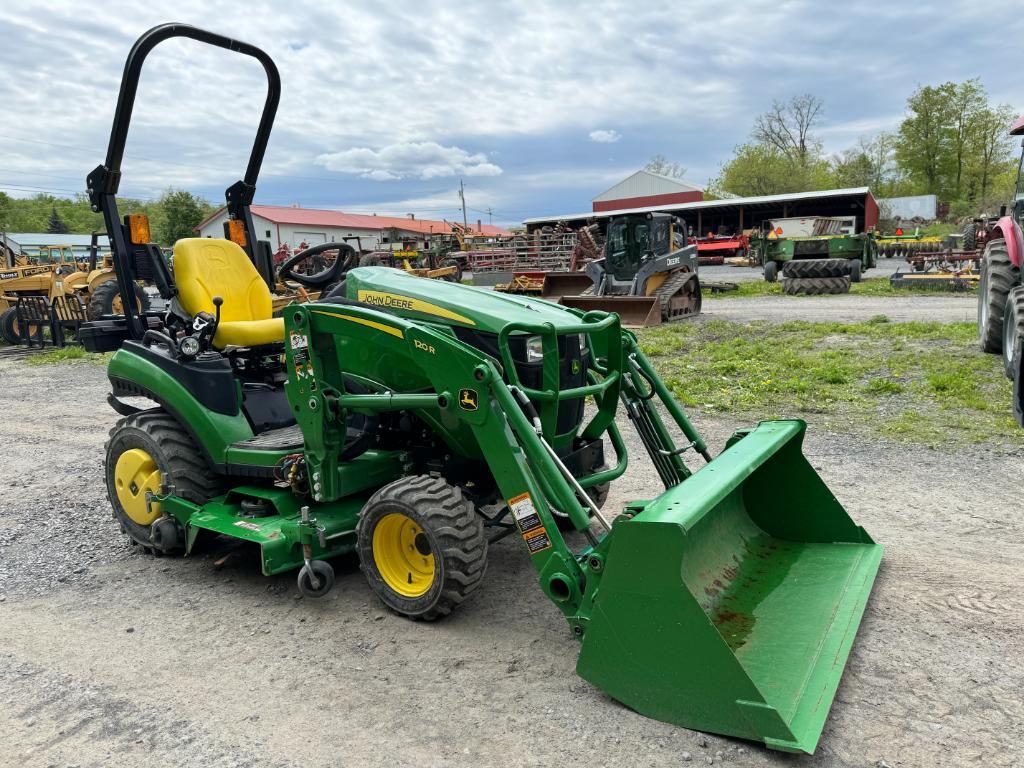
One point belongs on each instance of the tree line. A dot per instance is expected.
(953, 143)
(171, 217)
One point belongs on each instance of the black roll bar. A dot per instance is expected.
(103, 182)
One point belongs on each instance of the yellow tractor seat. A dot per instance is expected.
(205, 267)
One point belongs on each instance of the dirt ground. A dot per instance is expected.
(111, 657)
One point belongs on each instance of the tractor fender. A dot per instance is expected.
(132, 372)
(1009, 230)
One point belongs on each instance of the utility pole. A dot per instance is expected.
(490, 215)
(462, 196)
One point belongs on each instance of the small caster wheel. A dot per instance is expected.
(316, 578)
(165, 534)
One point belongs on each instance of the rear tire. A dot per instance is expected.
(970, 240)
(1013, 328)
(175, 459)
(815, 286)
(998, 276)
(771, 271)
(816, 268)
(103, 301)
(426, 527)
(457, 276)
(371, 260)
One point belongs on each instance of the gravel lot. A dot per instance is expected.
(109, 657)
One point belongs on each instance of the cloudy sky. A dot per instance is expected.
(386, 106)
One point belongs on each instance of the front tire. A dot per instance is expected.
(421, 546)
(9, 326)
(147, 451)
(771, 271)
(1013, 328)
(998, 276)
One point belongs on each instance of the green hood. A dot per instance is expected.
(450, 303)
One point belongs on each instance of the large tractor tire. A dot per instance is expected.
(455, 277)
(998, 276)
(1013, 327)
(1018, 385)
(421, 546)
(9, 326)
(142, 448)
(106, 300)
(816, 268)
(815, 286)
(970, 236)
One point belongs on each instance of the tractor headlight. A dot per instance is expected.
(534, 349)
(189, 346)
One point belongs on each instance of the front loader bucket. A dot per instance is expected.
(729, 604)
(559, 284)
(633, 311)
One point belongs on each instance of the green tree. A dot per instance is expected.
(55, 224)
(991, 168)
(967, 100)
(922, 144)
(177, 214)
(758, 169)
(871, 162)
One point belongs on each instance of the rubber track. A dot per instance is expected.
(456, 527)
(815, 286)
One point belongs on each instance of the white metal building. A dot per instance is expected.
(646, 188)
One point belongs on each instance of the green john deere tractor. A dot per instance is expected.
(415, 422)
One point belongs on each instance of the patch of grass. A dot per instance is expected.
(67, 354)
(875, 286)
(921, 382)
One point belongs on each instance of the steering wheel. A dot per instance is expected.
(344, 262)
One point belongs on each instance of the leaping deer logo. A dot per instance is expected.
(468, 400)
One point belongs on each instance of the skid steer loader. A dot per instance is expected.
(415, 422)
(645, 276)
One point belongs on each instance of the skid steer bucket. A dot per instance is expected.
(559, 284)
(729, 603)
(633, 311)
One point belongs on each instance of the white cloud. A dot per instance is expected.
(409, 159)
(605, 136)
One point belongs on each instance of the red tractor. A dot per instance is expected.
(1001, 291)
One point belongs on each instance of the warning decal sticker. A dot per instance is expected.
(529, 523)
(247, 525)
(537, 541)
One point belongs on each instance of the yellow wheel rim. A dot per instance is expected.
(402, 554)
(134, 474)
